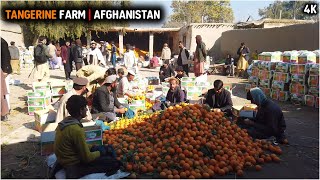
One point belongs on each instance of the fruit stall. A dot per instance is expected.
(187, 141)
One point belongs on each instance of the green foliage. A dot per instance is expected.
(61, 29)
(290, 10)
(186, 12)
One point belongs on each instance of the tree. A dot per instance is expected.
(186, 12)
(288, 9)
(61, 29)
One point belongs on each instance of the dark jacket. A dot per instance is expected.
(101, 101)
(176, 96)
(65, 54)
(223, 101)
(269, 119)
(166, 72)
(5, 57)
(77, 54)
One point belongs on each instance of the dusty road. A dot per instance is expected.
(21, 149)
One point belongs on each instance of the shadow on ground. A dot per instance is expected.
(22, 161)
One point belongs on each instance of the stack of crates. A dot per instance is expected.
(39, 98)
(312, 97)
(281, 81)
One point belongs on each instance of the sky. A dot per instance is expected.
(241, 10)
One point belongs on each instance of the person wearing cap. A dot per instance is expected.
(219, 98)
(105, 100)
(79, 88)
(94, 56)
(180, 73)
(15, 56)
(166, 71)
(269, 120)
(95, 75)
(125, 87)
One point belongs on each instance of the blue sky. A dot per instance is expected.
(241, 9)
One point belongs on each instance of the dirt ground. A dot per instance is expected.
(20, 147)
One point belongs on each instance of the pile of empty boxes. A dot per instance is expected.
(291, 75)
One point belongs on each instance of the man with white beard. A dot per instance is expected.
(95, 56)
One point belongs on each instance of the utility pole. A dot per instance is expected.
(280, 13)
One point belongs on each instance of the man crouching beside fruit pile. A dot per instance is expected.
(269, 120)
(105, 100)
(73, 153)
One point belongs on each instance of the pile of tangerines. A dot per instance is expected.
(189, 141)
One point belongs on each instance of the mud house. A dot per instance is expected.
(11, 32)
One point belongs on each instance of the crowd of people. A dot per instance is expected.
(96, 90)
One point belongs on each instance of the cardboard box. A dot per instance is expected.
(272, 56)
(297, 98)
(298, 78)
(313, 81)
(282, 67)
(32, 109)
(93, 133)
(283, 95)
(47, 139)
(274, 94)
(313, 91)
(279, 76)
(196, 100)
(253, 79)
(188, 79)
(307, 57)
(47, 143)
(297, 88)
(265, 83)
(39, 101)
(313, 69)
(255, 72)
(188, 84)
(44, 86)
(236, 110)
(38, 93)
(58, 91)
(43, 117)
(267, 65)
(247, 114)
(266, 91)
(191, 95)
(256, 64)
(280, 85)
(298, 68)
(309, 100)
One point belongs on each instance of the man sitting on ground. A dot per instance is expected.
(105, 100)
(219, 98)
(73, 153)
(269, 120)
(124, 87)
(79, 88)
(229, 66)
(175, 95)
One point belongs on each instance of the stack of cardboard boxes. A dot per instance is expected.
(291, 75)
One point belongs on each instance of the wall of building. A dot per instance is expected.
(11, 32)
(210, 36)
(295, 37)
